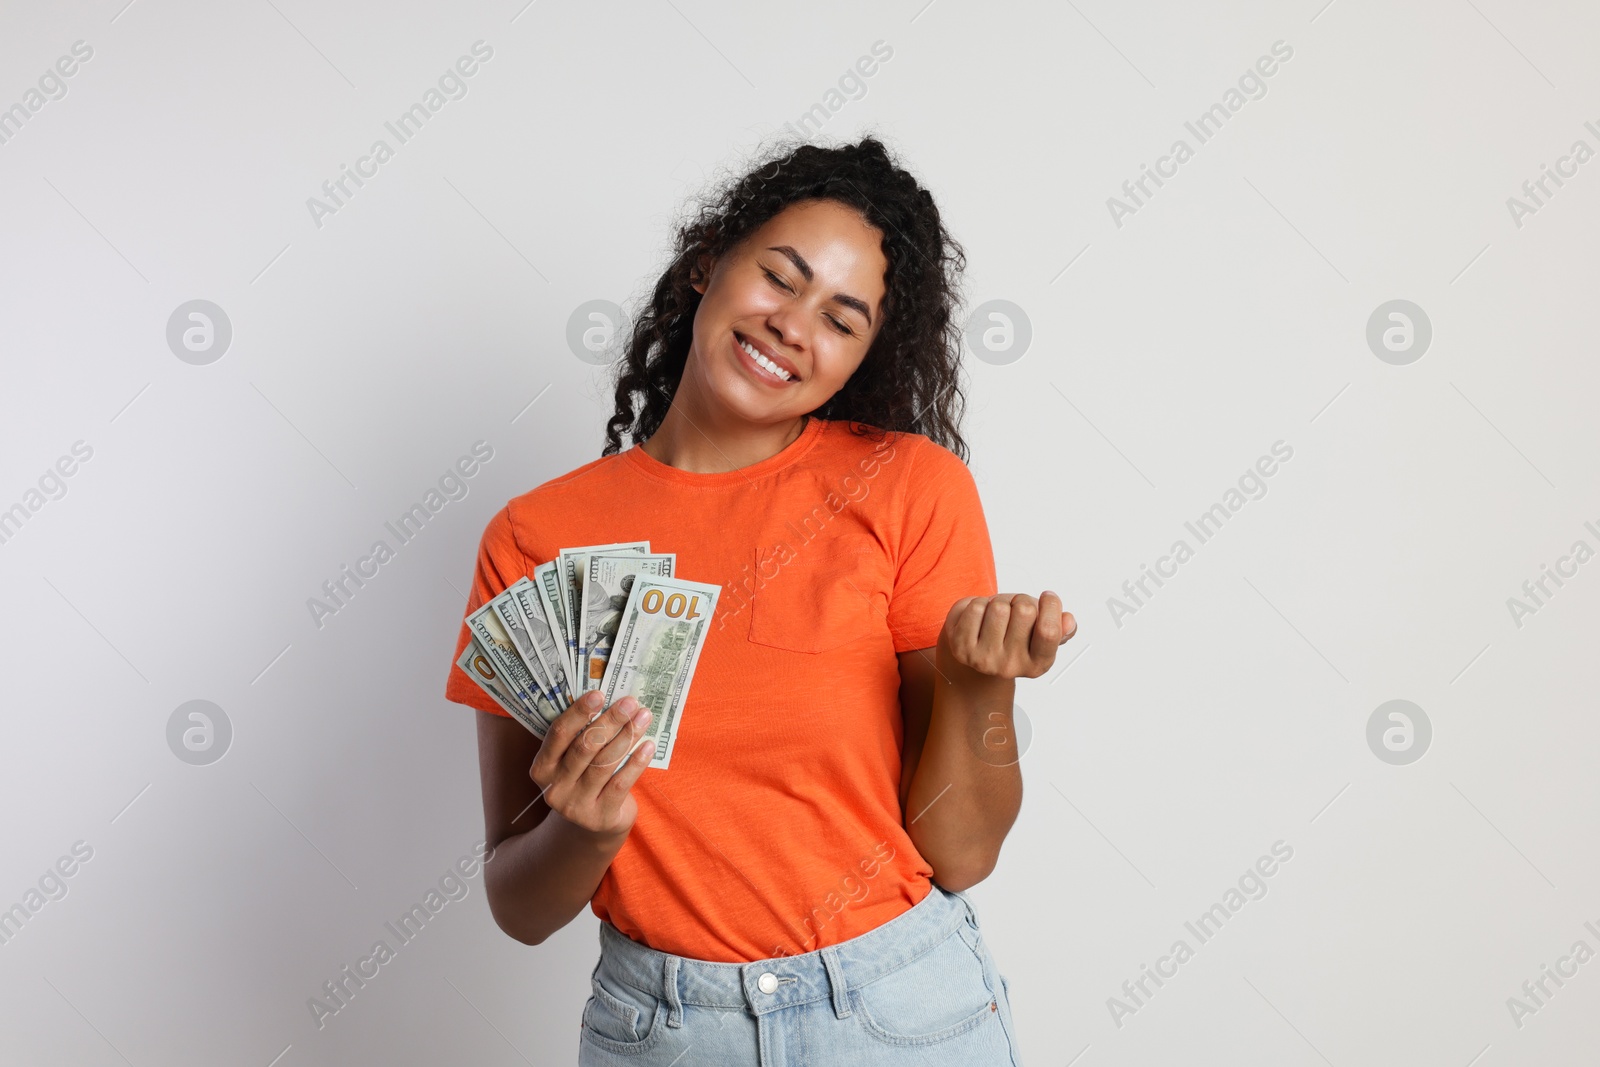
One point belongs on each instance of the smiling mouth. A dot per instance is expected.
(771, 368)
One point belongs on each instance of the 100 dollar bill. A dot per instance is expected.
(491, 634)
(516, 627)
(664, 627)
(606, 588)
(571, 569)
(547, 590)
(546, 652)
(477, 665)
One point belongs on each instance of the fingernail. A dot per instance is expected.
(1048, 592)
(591, 699)
(641, 716)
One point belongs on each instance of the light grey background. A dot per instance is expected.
(1167, 354)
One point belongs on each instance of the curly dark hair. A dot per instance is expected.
(909, 379)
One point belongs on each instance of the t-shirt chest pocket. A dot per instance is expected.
(822, 598)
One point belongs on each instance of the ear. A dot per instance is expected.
(700, 275)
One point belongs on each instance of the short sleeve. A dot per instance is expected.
(944, 549)
(501, 563)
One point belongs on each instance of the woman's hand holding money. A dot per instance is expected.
(584, 770)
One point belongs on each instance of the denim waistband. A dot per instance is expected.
(770, 984)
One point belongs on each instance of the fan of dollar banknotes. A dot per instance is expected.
(606, 617)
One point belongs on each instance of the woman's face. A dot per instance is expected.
(805, 291)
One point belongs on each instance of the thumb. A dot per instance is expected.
(1050, 605)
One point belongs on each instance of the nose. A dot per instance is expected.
(787, 322)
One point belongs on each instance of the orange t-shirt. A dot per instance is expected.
(777, 830)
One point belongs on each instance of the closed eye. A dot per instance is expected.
(783, 285)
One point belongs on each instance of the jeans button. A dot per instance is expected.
(767, 983)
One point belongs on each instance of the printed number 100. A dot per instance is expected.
(678, 606)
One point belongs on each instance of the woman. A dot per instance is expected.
(789, 890)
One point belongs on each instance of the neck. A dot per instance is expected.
(701, 442)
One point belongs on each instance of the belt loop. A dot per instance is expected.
(972, 911)
(836, 979)
(670, 988)
(605, 948)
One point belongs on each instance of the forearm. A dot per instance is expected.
(967, 788)
(541, 879)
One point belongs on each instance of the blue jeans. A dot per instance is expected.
(920, 989)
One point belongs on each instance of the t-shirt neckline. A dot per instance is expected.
(649, 465)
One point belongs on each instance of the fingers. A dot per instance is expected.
(996, 611)
(575, 737)
(558, 738)
(990, 628)
(1009, 631)
(1027, 614)
(1045, 634)
(633, 766)
(992, 649)
(593, 737)
(1069, 624)
(1034, 632)
(965, 615)
(590, 760)
(621, 744)
(1052, 629)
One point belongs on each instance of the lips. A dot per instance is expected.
(767, 353)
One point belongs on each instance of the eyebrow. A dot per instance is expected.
(804, 268)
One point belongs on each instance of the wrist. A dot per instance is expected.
(603, 842)
(953, 672)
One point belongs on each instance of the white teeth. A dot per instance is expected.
(765, 363)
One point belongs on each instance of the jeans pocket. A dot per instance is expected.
(619, 1018)
(939, 995)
